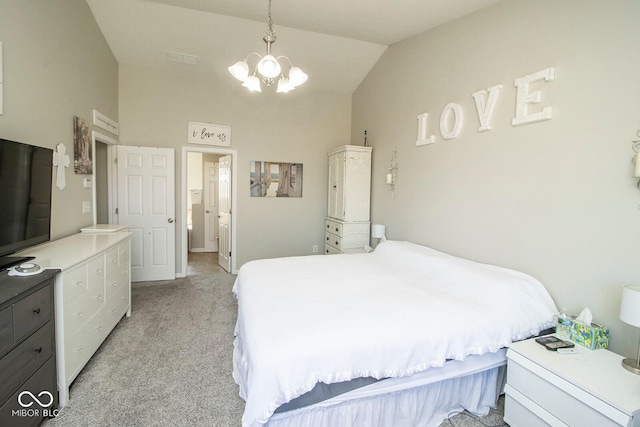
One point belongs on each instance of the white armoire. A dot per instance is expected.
(347, 224)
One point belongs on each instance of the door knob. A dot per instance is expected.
(170, 220)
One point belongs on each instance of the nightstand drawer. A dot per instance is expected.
(561, 399)
(520, 411)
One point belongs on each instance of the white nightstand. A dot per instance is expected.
(588, 388)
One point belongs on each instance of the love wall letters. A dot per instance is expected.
(452, 117)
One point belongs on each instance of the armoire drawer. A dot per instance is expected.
(330, 250)
(333, 227)
(332, 240)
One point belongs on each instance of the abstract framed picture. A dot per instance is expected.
(82, 155)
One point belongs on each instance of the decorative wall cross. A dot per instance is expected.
(61, 160)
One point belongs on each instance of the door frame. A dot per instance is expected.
(234, 210)
(111, 175)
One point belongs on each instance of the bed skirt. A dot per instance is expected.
(424, 406)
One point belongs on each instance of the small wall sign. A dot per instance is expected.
(209, 134)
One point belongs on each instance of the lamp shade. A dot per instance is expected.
(297, 76)
(630, 305)
(252, 83)
(269, 67)
(240, 70)
(377, 231)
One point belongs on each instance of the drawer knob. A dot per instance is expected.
(99, 328)
(79, 283)
(114, 261)
(37, 310)
(336, 242)
(99, 297)
(328, 225)
(99, 271)
(336, 228)
(326, 250)
(79, 314)
(327, 239)
(39, 350)
(114, 284)
(79, 349)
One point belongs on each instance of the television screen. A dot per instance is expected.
(25, 195)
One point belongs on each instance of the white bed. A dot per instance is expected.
(401, 312)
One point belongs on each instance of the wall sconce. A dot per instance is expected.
(630, 313)
(392, 174)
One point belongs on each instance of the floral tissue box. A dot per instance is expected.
(592, 336)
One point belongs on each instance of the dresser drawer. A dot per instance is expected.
(6, 329)
(74, 282)
(23, 361)
(112, 262)
(83, 308)
(81, 345)
(333, 227)
(558, 403)
(31, 312)
(118, 306)
(96, 269)
(123, 255)
(43, 380)
(115, 283)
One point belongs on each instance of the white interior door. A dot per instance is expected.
(210, 207)
(146, 204)
(224, 212)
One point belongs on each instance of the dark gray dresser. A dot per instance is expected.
(28, 389)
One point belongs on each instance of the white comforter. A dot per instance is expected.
(401, 309)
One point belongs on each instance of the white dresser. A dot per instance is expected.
(588, 388)
(347, 226)
(92, 293)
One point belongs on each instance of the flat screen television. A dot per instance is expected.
(25, 198)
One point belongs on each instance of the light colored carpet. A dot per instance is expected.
(170, 363)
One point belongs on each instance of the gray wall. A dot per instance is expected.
(555, 198)
(299, 127)
(56, 65)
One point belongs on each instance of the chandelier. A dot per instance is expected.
(268, 68)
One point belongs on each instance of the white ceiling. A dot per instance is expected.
(336, 42)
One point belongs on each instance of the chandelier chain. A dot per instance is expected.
(270, 37)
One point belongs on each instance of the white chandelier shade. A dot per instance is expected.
(268, 68)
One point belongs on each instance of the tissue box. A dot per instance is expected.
(592, 336)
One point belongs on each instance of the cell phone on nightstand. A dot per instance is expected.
(554, 343)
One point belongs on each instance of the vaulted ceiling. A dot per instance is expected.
(336, 42)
